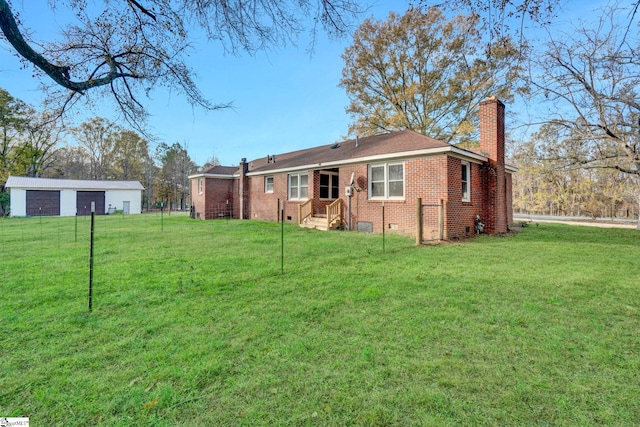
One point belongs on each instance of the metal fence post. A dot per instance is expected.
(419, 230)
(93, 212)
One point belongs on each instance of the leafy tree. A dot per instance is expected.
(543, 184)
(173, 182)
(70, 162)
(34, 155)
(128, 156)
(423, 72)
(96, 137)
(13, 121)
(120, 49)
(149, 181)
(504, 17)
(549, 182)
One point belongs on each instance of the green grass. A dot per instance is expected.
(194, 324)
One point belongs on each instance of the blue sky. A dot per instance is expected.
(283, 100)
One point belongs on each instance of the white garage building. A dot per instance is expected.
(66, 197)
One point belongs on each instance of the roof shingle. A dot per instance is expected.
(393, 142)
(221, 170)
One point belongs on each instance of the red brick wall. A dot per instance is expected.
(424, 177)
(217, 192)
(212, 203)
(433, 179)
(264, 206)
(197, 199)
(460, 216)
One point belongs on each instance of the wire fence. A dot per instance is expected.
(165, 249)
(39, 249)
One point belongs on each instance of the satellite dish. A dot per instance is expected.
(351, 181)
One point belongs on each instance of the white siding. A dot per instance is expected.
(18, 202)
(116, 199)
(68, 199)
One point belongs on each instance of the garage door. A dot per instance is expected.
(84, 199)
(43, 203)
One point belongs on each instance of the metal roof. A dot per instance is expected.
(70, 184)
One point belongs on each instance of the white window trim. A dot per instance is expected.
(300, 174)
(330, 187)
(266, 179)
(386, 181)
(467, 197)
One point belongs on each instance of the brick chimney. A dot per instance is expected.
(492, 146)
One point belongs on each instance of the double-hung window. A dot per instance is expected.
(200, 185)
(299, 186)
(268, 184)
(386, 181)
(466, 175)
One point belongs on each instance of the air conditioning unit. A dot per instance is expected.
(348, 191)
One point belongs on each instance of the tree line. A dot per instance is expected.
(549, 182)
(35, 144)
(425, 69)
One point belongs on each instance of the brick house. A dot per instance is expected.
(421, 186)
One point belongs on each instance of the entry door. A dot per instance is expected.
(125, 208)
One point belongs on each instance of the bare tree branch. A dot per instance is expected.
(122, 50)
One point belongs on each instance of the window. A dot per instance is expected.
(200, 185)
(465, 181)
(298, 186)
(268, 184)
(329, 185)
(386, 181)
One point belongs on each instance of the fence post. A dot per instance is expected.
(441, 219)
(419, 230)
(93, 212)
(383, 226)
(282, 239)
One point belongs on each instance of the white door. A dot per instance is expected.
(125, 208)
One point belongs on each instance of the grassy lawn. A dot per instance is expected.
(194, 324)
